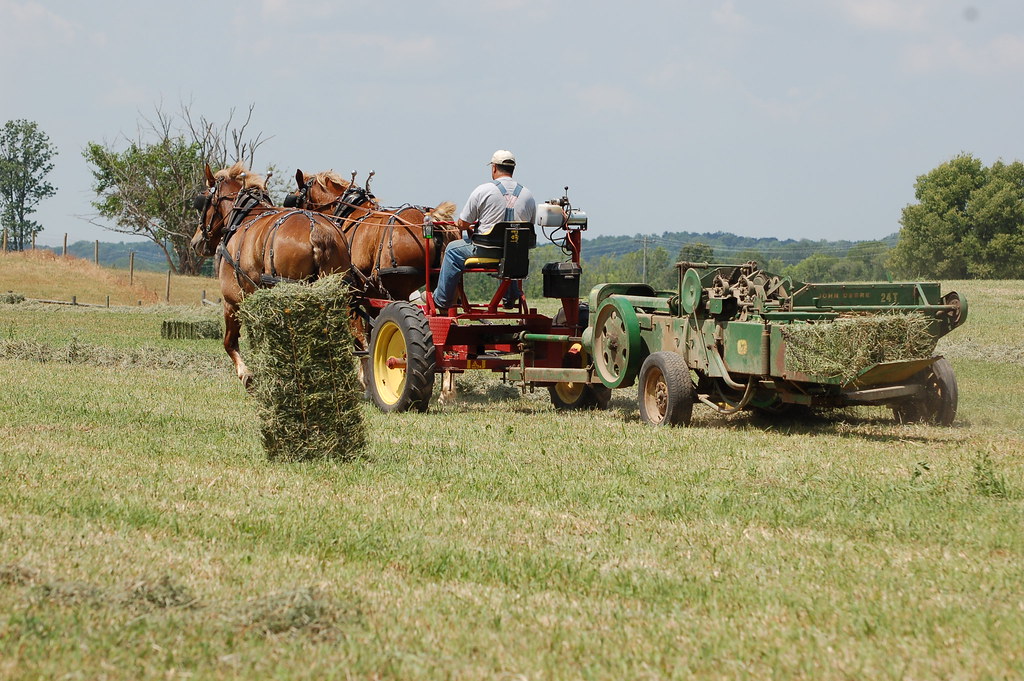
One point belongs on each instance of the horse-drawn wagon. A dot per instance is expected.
(412, 343)
(730, 336)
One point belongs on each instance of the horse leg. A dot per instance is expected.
(232, 331)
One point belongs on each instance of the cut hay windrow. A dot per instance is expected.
(304, 371)
(845, 347)
(191, 328)
(141, 357)
(11, 298)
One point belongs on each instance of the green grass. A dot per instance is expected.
(144, 534)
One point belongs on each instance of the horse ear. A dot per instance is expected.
(300, 179)
(209, 176)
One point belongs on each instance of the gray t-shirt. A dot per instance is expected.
(486, 205)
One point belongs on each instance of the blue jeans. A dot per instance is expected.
(452, 265)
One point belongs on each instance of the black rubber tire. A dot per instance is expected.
(937, 401)
(584, 316)
(402, 329)
(665, 390)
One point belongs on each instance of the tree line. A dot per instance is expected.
(967, 221)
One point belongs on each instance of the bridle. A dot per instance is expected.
(211, 198)
(300, 197)
(344, 205)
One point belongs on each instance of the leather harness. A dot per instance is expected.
(355, 198)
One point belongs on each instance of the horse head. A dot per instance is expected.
(229, 194)
(328, 192)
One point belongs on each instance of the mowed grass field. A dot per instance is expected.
(144, 534)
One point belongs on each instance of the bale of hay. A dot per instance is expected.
(304, 371)
(191, 328)
(845, 347)
(11, 298)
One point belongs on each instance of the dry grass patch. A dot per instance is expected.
(43, 274)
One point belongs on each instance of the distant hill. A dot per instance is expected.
(148, 255)
(726, 246)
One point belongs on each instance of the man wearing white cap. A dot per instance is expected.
(500, 200)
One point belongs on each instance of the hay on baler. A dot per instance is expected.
(304, 370)
(845, 347)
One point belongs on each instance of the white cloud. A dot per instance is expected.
(391, 50)
(1002, 53)
(728, 17)
(384, 51)
(887, 15)
(122, 94)
(30, 25)
(606, 99)
(288, 9)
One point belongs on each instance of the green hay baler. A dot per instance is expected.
(736, 337)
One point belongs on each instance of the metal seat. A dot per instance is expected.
(505, 249)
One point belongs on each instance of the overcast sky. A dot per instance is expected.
(788, 118)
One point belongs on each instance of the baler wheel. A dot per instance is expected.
(937, 402)
(617, 344)
(666, 391)
(401, 334)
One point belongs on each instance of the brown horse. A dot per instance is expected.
(386, 244)
(258, 244)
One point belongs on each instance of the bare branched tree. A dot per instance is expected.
(146, 188)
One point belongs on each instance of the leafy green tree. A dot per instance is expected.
(25, 160)
(865, 261)
(968, 222)
(146, 188)
(994, 248)
(698, 251)
(749, 254)
(815, 268)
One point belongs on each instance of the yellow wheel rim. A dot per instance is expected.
(569, 393)
(389, 382)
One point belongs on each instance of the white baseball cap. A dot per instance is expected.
(503, 157)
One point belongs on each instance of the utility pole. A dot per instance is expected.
(644, 240)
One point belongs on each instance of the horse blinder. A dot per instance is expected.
(200, 202)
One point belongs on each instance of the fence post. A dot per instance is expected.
(168, 285)
(96, 251)
(131, 268)
(65, 251)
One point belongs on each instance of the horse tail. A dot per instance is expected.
(444, 212)
(330, 252)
